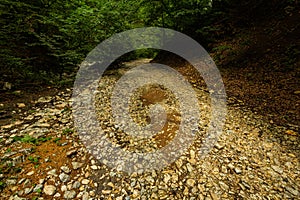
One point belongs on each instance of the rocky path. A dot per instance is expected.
(43, 158)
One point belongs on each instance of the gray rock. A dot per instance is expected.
(16, 197)
(237, 170)
(52, 172)
(292, 191)
(76, 185)
(77, 165)
(70, 194)
(10, 182)
(64, 177)
(49, 190)
(85, 196)
(38, 187)
(27, 183)
(219, 146)
(85, 181)
(44, 99)
(28, 190)
(65, 169)
(277, 169)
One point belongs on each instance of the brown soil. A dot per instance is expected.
(260, 67)
(158, 95)
(9, 110)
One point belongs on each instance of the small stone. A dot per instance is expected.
(92, 193)
(150, 179)
(292, 191)
(167, 177)
(224, 186)
(297, 92)
(213, 196)
(14, 188)
(110, 184)
(41, 181)
(133, 183)
(190, 182)
(7, 126)
(42, 125)
(64, 177)
(7, 86)
(18, 198)
(85, 196)
(57, 195)
(277, 169)
(85, 181)
(37, 187)
(63, 188)
(30, 173)
(52, 172)
(291, 132)
(20, 192)
(70, 194)
(224, 169)
(94, 167)
(120, 198)
(28, 190)
(27, 183)
(21, 181)
(192, 154)
(65, 169)
(230, 166)
(11, 182)
(237, 170)
(186, 191)
(21, 105)
(76, 185)
(82, 188)
(49, 190)
(44, 99)
(71, 152)
(61, 106)
(246, 185)
(106, 191)
(178, 163)
(219, 146)
(77, 165)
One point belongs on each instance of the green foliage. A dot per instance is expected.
(56, 140)
(8, 150)
(33, 159)
(67, 131)
(2, 185)
(31, 140)
(42, 39)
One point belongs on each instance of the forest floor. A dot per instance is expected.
(256, 157)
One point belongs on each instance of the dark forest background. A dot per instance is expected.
(255, 43)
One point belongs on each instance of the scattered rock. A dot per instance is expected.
(44, 99)
(85, 181)
(49, 190)
(292, 191)
(190, 182)
(70, 194)
(64, 177)
(65, 169)
(237, 170)
(71, 152)
(38, 188)
(277, 169)
(21, 105)
(77, 165)
(30, 173)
